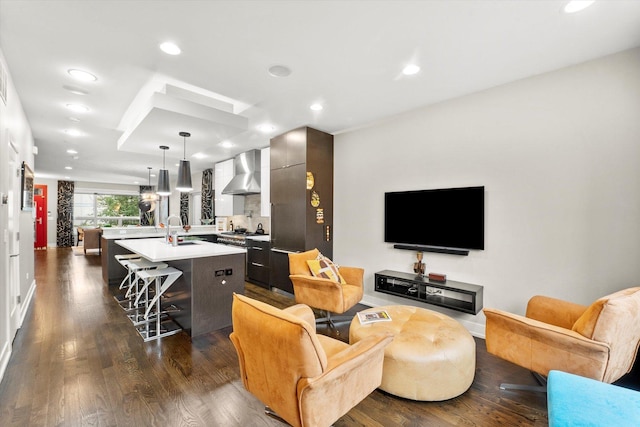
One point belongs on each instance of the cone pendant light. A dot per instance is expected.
(163, 177)
(184, 170)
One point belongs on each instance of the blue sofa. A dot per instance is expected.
(573, 400)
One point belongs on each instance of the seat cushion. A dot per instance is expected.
(577, 401)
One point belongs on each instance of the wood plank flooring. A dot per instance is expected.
(78, 361)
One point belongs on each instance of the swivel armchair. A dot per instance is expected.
(303, 378)
(92, 239)
(599, 341)
(325, 294)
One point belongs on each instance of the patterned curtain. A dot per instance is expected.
(184, 208)
(207, 195)
(64, 223)
(146, 218)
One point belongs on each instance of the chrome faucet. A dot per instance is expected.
(169, 229)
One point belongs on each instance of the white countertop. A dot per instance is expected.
(124, 234)
(157, 250)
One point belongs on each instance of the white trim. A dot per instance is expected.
(5, 355)
(27, 302)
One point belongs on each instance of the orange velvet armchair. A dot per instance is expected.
(324, 294)
(599, 341)
(305, 379)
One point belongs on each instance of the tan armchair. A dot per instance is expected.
(92, 239)
(304, 379)
(600, 341)
(325, 294)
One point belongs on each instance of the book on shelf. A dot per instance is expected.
(373, 316)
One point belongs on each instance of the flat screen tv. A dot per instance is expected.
(442, 218)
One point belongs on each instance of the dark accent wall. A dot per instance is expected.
(64, 223)
(184, 208)
(207, 195)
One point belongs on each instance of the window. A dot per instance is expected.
(100, 210)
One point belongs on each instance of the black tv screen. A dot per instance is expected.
(445, 218)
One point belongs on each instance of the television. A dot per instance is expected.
(449, 218)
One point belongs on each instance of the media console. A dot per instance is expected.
(458, 296)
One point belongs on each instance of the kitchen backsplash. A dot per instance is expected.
(251, 218)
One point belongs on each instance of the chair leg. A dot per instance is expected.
(541, 388)
(332, 321)
(270, 412)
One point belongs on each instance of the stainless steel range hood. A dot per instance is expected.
(247, 174)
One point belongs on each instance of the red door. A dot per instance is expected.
(40, 203)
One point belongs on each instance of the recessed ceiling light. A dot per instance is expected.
(75, 90)
(153, 175)
(226, 144)
(199, 156)
(67, 177)
(316, 107)
(81, 75)
(279, 71)
(170, 48)
(73, 132)
(68, 168)
(266, 128)
(136, 182)
(410, 69)
(577, 5)
(77, 108)
(72, 151)
(73, 119)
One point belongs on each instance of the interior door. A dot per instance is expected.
(13, 223)
(40, 204)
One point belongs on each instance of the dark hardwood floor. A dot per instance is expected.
(78, 361)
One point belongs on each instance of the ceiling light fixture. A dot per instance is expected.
(68, 168)
(72, 151)
(225, 144)
(184, 170)
(316, 107)
(81, 75)
(577, 5)
(170, 48)
(73, 132)
(77, 108)
(163, 177)
(279, 71)
(266, 128)
(410, 69)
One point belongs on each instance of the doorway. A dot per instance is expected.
(40, 204)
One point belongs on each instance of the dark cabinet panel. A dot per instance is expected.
(258, 254)
(301, 217)
(279, 266)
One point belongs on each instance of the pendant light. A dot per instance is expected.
(149, 194)
(184, 171)
(163, 177)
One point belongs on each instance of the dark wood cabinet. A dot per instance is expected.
(457, 296)
(301, 181)
(258, 255)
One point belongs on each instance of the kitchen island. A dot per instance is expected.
(211, 273)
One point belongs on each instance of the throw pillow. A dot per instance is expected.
(326, 269)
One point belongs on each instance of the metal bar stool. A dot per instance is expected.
(157, 324)
(132, 297)
(124, 261)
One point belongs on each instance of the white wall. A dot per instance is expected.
(558, 155)
(15, 127)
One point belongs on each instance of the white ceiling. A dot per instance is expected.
(347, 55)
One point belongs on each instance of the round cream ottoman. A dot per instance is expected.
(432, 357)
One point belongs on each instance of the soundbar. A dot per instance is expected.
(436, 249)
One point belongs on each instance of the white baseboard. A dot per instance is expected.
(27, 302)
(5, 355)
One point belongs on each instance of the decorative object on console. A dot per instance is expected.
(184, 170)
(418, 267)
(438, 277)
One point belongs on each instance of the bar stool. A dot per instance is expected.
(132, 297)
(124, 260)
(151, 327)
